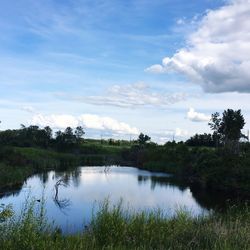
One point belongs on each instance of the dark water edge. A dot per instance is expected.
(84, 188)
(12, 177)
(207, 197)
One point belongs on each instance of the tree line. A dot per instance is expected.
(226, 133)
(33, 136)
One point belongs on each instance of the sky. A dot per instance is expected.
(119, 68)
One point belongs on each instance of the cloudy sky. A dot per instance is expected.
(122, 67)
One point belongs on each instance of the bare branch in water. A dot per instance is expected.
(107, 169)
(62, 204)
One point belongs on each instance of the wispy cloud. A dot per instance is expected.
(133, 96)
(28, 109)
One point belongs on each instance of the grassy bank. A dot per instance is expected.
(18, 163)
(210, 167)
(118, 228)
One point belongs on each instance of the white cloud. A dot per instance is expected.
(88, 121)
(217, 53)
(181, 132)
(194, 116)
(156, 68)
(28, 109)
(181, 21)
(134, 95)
(107, 123)
(177, 134)
(55, 121)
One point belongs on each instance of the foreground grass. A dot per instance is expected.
(118, 228)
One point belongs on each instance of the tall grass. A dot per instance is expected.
(17, 164)
(118, 228)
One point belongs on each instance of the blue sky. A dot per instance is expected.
(100, 64)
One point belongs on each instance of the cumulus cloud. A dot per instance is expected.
(54, 121)
(194, 116)
(156, 68)
(106, 123)
(181, 132)
(217, 53)
(134, 95)
(88, 121)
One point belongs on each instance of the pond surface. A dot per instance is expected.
(81, 191)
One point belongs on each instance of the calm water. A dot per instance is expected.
(83, 189)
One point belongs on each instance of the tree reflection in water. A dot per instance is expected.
(62, 204)
(205, 196)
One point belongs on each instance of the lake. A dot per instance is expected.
(80, 192)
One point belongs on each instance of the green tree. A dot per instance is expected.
(48, 132)
(143, 139)
(228, 128)
(46, 136)
(215, 124)
(201, 140)
(231, 125)
(65, 140)
(79, 133)
(69, 136)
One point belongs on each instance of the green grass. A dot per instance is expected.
(96, 147)
(119, 228)
(18, 163)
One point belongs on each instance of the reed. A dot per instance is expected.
(116, 227)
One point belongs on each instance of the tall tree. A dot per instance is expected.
(215, 124)
(48, 132)
(46, 135)
(231, 125)
(69, 136)
(65, 140)
(79, 133)
(228, 128)
(143, 139)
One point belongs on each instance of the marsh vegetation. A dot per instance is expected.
(114, 227)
